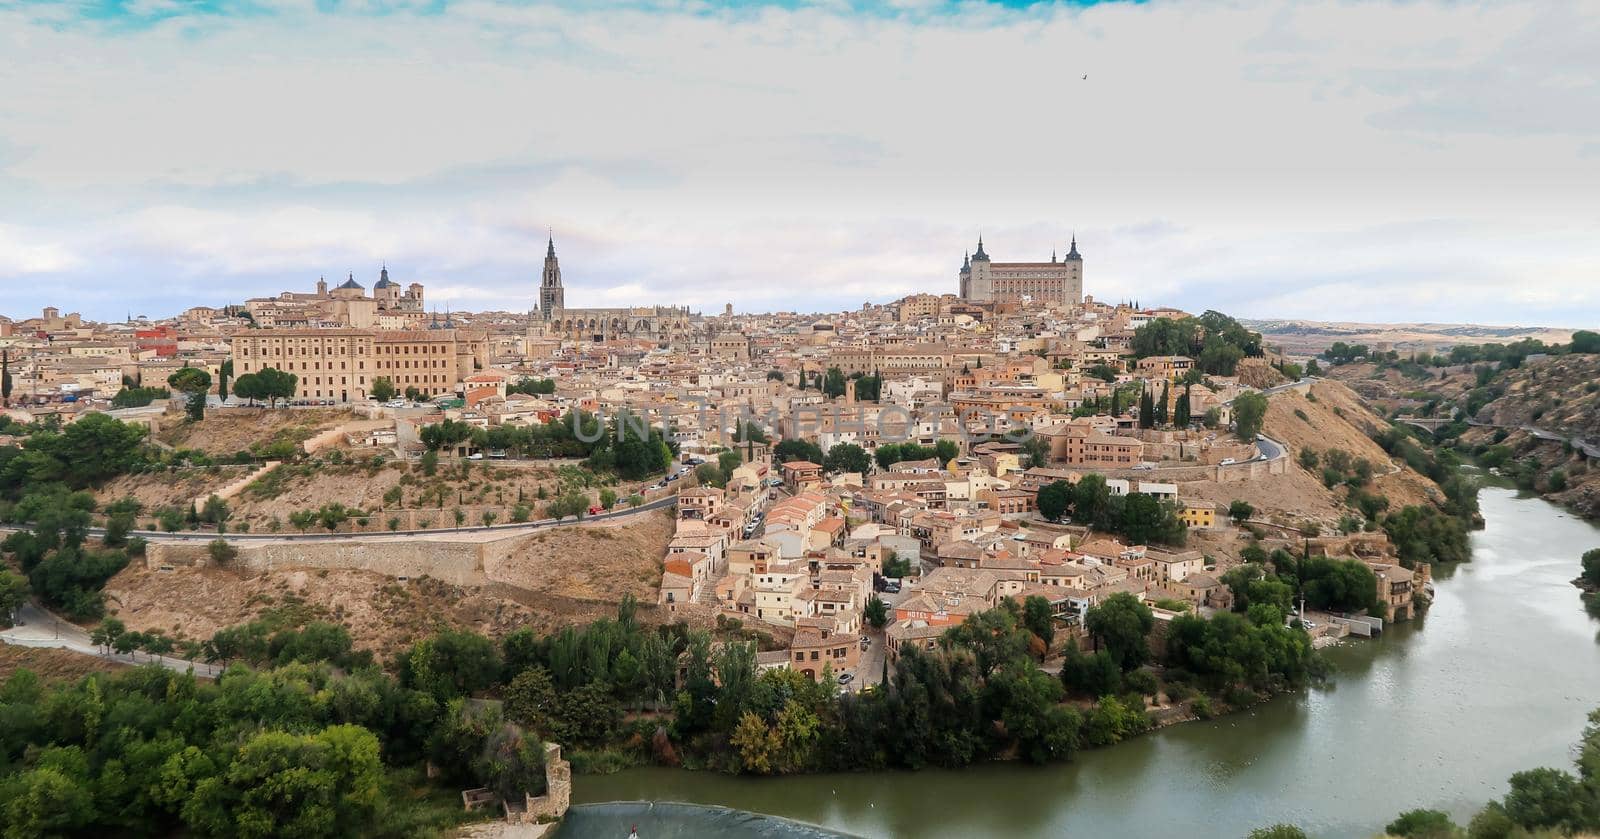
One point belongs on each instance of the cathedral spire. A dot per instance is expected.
(550, 251)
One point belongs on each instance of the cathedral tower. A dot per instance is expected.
(551, 295)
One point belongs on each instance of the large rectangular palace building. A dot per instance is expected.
(1055, 281)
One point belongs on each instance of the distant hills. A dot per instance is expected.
(1309, 337)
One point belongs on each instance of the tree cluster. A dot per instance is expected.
(1215, 341)
(1140, 518)
(889, 454)
(268, 385)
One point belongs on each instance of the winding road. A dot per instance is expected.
(1588, 448)
(39, 628)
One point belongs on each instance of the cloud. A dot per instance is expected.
(1388, 160)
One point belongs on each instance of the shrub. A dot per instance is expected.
(221, 552)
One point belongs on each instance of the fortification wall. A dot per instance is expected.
(458, 563)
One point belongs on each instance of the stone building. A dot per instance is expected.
(347, 304)
(662, 324)
(984, 281)
(341, 364)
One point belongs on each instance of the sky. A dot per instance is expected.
(1371, 160)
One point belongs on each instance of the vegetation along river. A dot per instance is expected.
(1496, 677)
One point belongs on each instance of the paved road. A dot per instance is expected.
(1270, 449)
(40, 628)
(1588, 448)
(397, 535)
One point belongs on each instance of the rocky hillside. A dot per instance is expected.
(1333, 423)
(1558, 393)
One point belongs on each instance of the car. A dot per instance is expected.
(395, 403)
(596, 509)
(694, 461)
(673, 477)
(475, 456)
(846, 678)
(1227, 461)
(1309, 625)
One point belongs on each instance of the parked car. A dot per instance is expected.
(596, 509)
(846, 678)
(1228, 461)
(475, 456)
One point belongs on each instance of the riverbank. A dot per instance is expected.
(1505, 652)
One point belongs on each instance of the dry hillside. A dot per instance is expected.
(224, 432)
(572, 575)
(51, 664)
(1330, 417)
(1559, 393)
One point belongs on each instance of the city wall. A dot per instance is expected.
(455, 562)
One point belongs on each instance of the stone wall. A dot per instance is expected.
(457, 563)
(557, 789)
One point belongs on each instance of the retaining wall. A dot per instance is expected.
(457, 563)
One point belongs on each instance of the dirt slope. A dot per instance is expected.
(573, 575)
(224, 432)
(50, 664)
(1331, 417)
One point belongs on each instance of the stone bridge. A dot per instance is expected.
(1429, 425)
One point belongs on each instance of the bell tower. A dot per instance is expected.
(551, 295)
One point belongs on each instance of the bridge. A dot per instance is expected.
(1429, 425)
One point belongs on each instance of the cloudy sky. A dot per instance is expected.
(1351, 160)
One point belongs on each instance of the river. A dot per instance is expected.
(1498, 676)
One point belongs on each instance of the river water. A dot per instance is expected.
(1498, 676)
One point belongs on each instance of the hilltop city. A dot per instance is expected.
(838, 500)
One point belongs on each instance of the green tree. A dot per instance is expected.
(1181, 410)
(1278, 831)
(711, 475)
(1423, 824)
(382, 389)
(876, 612)
(1120, 624)
(1147, 410)
(796, 449)
(1240, 511)
(1039, 618)
(1591, 566)
(308, 785)
(833, 383)
(13, 593)
(224, 373)
(847, 457)
(194, 384)
(1054, 499)
(1249, 411)
(1547, 798)
(46, 802)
